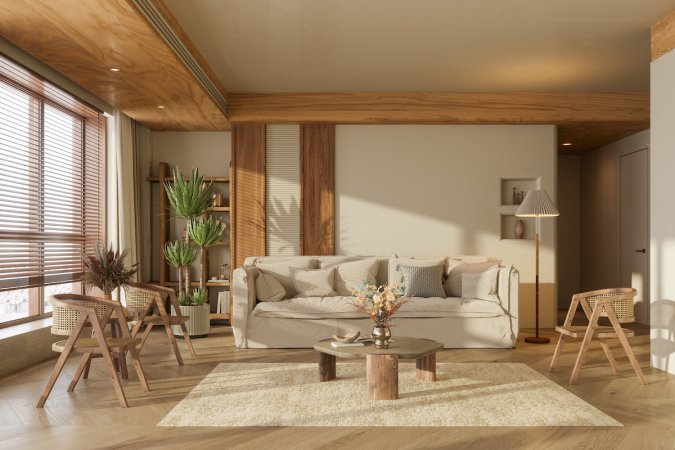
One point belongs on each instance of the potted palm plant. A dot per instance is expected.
(190, 199)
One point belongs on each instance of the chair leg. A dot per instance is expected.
(631, 356)
(592, 325)
(84, 363)
(174, 344)
(188, 341)
(556, 353)
(609, 355)
(52, 379)
(105, 351)
(139, 369)
(146, 334)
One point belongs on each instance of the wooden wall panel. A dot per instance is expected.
(248, 188)
(317, 187)
(663, 36)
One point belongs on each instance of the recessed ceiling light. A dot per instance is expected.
(566, 144)
(161, 106)
(114, 69)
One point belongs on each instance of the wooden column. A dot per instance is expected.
(317, 189)
(248, 189)
(381, 377)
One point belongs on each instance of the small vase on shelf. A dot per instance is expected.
(518, 229)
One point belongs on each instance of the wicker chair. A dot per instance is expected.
(148, 301)
(98, 344)
(615, 304)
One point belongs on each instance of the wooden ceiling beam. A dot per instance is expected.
(663, 36)
(439, 108)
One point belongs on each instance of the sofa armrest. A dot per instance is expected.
(507, 291)
(243, 302)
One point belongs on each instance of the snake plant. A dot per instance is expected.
(188, 198)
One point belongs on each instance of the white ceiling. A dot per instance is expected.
(424, 45)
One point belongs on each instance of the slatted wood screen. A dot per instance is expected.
(52, 195)
(283, 190)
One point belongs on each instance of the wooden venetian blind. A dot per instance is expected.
(52, 197)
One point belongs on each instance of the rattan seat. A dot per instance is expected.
(90, 345)
(617, 306)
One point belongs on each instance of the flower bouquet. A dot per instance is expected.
(380, 303)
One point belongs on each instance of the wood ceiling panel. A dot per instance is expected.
(586, 137)
(663, 36)
(84, 39)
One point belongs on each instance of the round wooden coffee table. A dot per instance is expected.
(382, 364)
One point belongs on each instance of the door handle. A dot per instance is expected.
(641, 251)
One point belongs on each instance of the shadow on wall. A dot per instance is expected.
(663, 333)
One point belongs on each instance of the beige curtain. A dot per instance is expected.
(123, 193)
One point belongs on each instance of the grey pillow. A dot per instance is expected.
(268, 288)
(423, 281)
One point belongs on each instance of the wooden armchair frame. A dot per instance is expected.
(98, 344)
(605, 300)
(154, 313)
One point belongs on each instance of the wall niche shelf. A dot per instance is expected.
(508, 205)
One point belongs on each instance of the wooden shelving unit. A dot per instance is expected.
(164, 236)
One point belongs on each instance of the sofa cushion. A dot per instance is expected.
(395, 275)
(268, 288)
(423, 281)
(481, 285)
(314, 282)
(343, 308)
(281, 271)
(454, 271)
(350, 275)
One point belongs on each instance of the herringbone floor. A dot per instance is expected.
(90, 418)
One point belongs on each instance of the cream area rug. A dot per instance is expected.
(475, 394)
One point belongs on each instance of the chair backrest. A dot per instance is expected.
(135, 298)
(621, 299)
(65, 314)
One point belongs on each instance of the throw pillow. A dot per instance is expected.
(481, 285)
(453, 280)
(281, 271)
(395, 275)
(473, 259)
(314, 282)
(268, 288)
(423, 281)
(350, 276)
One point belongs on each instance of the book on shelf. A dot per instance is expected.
(222, 306)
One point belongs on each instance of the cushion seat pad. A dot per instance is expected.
(342, 308)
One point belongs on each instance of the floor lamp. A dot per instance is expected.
(537, 204)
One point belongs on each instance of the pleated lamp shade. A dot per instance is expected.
(537, 204)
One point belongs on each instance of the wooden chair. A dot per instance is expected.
(149, 302)
(615, 304)
(98, 344)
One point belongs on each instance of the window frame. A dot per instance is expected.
(46, 94)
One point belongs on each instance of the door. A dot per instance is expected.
(635, 229)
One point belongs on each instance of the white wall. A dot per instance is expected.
(435, 190)
(569, 229)
(601, 213)
(662, 217)
(210, 152)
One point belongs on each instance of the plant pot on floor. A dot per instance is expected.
(199, 323)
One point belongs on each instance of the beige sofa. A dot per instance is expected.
(300, 322)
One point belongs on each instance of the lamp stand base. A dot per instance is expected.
(537, 340)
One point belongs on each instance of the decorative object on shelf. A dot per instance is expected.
(105, 269)
(216, 199)
(515, 196)
(537, 204)
(518, 229)
(380, 303)
(223, 306)
(225, 272)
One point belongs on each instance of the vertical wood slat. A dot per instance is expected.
(163, 222)
(248, 186)
(317, 189)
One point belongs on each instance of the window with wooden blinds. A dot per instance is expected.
(52, 191)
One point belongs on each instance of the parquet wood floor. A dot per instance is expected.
(90, 418)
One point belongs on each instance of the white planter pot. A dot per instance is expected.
(199, 323)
